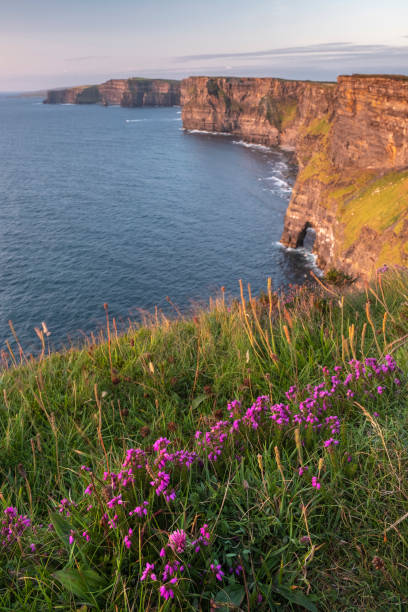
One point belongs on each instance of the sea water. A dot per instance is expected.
(117, 205)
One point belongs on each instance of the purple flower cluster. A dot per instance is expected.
(217, 571)
(311, 412)
(13, 526)
(161, 486)
(169, 579)
(127, 539)
(64, 506)
(140, 510)
(156, 473)
(203, 539)
(179, 543)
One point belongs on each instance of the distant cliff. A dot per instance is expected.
(351, 143)
(126, 92)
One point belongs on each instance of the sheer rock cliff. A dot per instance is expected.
(351, 143)
(126, 92)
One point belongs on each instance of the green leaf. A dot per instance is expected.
(83, 583)
(296, 597)
(197, 401)
(231, 595)
(62, 527)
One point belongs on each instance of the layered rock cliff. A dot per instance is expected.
(267, 111)
(126, 92)
(351, 144)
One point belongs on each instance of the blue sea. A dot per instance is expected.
(122, 206)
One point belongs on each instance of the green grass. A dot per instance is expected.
(319, 126)
(394, 77)
(147, 80)
(378, 206)
(319, 168)
(279, 113)
(343, 547)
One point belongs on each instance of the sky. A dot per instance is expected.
(57, 43)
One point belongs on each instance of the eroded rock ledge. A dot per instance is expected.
(126, 92)
(351, 144)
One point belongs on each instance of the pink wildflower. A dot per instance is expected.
(217, 571)
(315, 483)
(177, 540)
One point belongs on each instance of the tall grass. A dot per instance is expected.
(279, 541)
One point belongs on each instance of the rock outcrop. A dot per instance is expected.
(126, 92)
(351, 144)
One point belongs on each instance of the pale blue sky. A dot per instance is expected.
(49, 43)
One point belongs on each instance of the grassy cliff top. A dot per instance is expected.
(395, 77)
(149, 80)
(269, 78)
(255, 453)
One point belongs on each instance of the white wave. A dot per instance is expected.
(134, 120)
(281, 165)
(281, 184)
(179, 112)
(278, 181)
(311, 258)
(207, 132)
(250, 145)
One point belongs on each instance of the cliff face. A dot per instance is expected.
(351, 144)
(126, 92)
(370, 125)
(267, 111)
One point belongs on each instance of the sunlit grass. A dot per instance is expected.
(342, 546)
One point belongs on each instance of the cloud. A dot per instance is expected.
(321, 61)
(86, 58)
(323, 50)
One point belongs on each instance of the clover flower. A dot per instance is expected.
(177, 540)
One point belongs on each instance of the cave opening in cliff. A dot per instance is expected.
(306, 238)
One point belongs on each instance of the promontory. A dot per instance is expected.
(126, 92)
(350, 139)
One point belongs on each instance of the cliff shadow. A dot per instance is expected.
(306, 237)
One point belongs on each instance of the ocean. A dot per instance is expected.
(118, 205)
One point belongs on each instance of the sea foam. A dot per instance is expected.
(309, 257)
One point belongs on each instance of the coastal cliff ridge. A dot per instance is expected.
(351, 145)
(124, 92)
